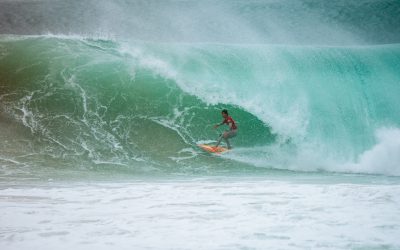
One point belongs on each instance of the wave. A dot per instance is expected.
(88, 103)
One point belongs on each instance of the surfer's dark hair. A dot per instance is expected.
(225, 111)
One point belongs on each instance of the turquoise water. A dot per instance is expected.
(74, 103)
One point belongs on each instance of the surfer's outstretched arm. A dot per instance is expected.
(219, 124)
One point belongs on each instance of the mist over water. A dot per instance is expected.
(277, 22)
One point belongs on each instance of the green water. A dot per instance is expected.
(72, 103)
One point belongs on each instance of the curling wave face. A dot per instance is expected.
(141, 107)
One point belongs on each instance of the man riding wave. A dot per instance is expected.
(228, 133)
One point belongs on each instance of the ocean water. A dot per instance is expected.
(102, 105)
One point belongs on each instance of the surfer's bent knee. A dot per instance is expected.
(230, 134)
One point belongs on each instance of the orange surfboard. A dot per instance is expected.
(212, 149)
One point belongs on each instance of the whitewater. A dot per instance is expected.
(101, 111)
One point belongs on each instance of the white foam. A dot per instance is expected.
(200, 214)
(383, 157)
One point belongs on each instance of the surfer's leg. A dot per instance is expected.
(227, 143)
(222, 136)
(227, 135)
(219, 140)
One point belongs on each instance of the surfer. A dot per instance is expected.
(228, 133)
